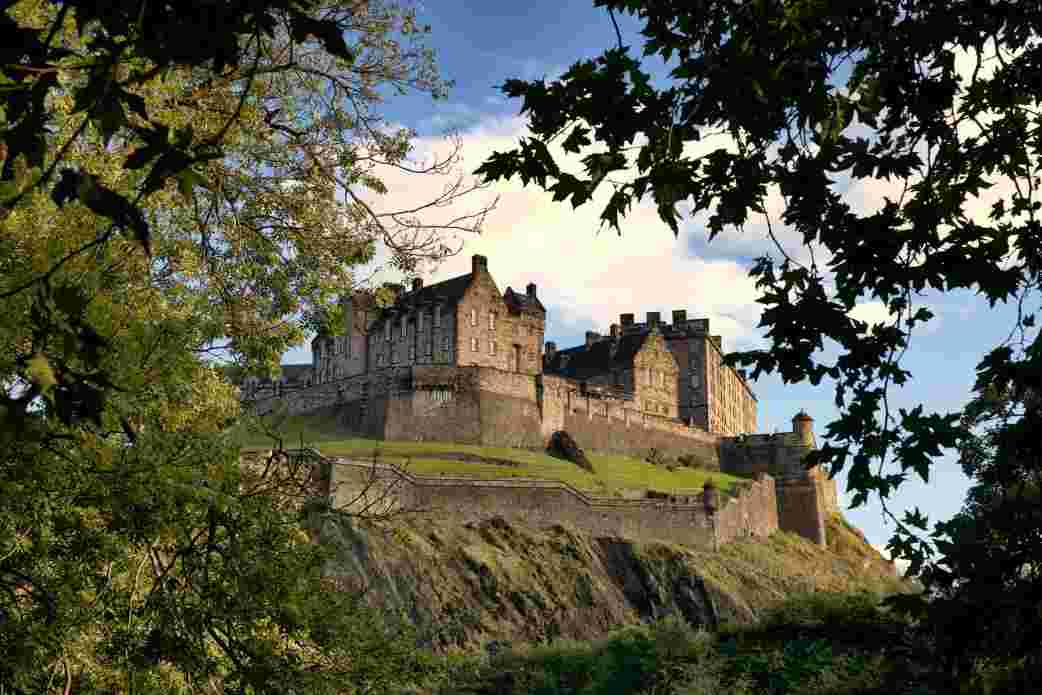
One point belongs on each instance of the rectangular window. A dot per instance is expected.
(491, 347)
(437, 316)
(492, 320)
(387, 330)
(474, 344)
(404, 324)
(347, 346)
(419, 322)
(427, 348)
(412, 353)
(473, 317)
(445, 343)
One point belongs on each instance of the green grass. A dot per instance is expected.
(614, 474)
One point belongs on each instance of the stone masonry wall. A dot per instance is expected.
(753, 513)
(538, 503)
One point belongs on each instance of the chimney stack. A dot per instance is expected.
(614, 331)
(551, 349)
(679, 317)
(592, 337)
(530, 290)
(417, 284)
(478, 263)
(653, 318)
(626, 319)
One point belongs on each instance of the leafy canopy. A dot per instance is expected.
(169, 180)
(765, 73)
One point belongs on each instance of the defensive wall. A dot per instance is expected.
(489, 406)
(701, 519)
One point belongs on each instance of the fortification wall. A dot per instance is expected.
(801, 508)
(359, 486)
(754, 512)
(615, 425)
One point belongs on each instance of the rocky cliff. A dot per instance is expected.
(467, 585)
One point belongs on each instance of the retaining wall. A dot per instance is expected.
(376, 488)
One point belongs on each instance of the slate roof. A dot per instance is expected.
(296, 372)
(450, 290)
(522, 302)
(585, 361)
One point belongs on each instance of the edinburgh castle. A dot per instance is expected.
(461, 361)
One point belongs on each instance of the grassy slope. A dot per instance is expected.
(613, 474)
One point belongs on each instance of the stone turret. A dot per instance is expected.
(803, 425)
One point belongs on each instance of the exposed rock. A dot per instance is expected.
(563, 446)
(468, 585)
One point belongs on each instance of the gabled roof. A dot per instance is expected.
(296, 372)
(522, 302)
(450, 290)
(584, 361)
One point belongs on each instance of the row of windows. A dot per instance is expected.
(491, 319)
(475, 346)
(419, 323)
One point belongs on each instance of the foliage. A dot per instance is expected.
(167, 182)
(940, 98)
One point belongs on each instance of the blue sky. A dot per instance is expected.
(586, 278)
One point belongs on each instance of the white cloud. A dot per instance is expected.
(587, 275)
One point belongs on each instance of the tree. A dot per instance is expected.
(767, 75)
(168, 179)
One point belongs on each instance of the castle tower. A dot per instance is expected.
(803, 425)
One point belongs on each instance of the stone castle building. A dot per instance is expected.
(461, 361)
(674, 371)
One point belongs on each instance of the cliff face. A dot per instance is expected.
(466, 585)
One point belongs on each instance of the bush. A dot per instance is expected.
(823, 608)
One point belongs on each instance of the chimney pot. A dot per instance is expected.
(679, 317)
(478, 263)
(614, 331)
(653, 318)
(530, 290)
(626, 319)
(417, 284)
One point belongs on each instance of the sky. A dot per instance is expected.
(586, 276)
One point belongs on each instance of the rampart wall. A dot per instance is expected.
(484, 405)
(493, 407)
(378, 488)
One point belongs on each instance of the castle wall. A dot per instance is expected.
(753, 513)
(801, 507)
(358, 485)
